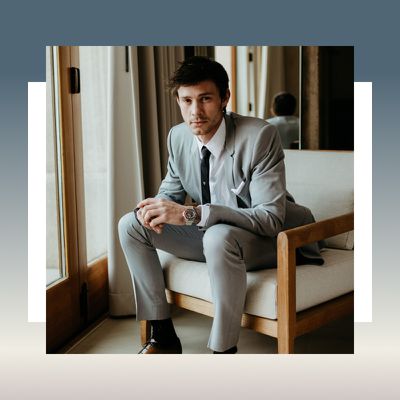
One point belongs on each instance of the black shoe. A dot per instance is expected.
(232, 350)
(154, 347)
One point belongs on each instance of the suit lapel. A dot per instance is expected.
(230, 154)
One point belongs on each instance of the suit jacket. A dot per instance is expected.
(254, 168)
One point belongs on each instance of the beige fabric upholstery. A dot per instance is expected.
(323, 182)
(315, 284)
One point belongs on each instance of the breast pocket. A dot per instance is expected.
(242, 193)
(239, 189)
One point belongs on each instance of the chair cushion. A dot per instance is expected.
(323, 182)
(315, 284)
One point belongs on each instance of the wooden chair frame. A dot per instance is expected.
(289, 324)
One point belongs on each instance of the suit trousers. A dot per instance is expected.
(229, 252)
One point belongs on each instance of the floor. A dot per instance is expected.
(121, 336)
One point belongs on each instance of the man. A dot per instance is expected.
(233, 168)
(283, 108)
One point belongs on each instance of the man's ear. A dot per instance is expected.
(225, 101)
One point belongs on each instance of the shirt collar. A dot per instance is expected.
(217, 142)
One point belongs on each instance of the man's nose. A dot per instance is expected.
(196, 108)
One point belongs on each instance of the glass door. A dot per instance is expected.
(63, 302)
(77, 277)
(55, 239)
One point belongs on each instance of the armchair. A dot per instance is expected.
(289, 301)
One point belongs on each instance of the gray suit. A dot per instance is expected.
(234, 240)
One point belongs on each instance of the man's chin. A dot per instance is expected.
(198, 132)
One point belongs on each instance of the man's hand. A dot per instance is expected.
(154, 213)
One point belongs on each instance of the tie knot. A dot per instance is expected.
(205, 153)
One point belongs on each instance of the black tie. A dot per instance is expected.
(205, 172)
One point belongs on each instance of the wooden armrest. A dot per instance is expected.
(309, 233)
(288, 241)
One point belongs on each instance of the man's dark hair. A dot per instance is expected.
(198, 69)
(284, 104)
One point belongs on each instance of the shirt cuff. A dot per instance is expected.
(205, 212)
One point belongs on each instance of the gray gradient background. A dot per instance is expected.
(25, 30)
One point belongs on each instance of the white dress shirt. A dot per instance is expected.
(219, 189)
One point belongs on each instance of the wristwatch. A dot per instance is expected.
(190, 216)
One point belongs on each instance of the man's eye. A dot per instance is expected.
(205, 99)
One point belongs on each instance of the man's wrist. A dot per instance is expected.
(189, 215)
(197, 209)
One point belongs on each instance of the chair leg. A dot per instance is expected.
(145, 328)
(285, 344)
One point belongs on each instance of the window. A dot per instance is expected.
(77, 291)
(55, 254)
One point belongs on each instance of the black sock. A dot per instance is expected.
(163, 330)
(232, 350)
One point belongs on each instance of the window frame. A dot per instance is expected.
(78, 299)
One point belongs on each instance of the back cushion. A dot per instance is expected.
(323, 181)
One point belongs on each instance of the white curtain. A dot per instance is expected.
(141, 112)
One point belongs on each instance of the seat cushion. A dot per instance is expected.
(315, 284)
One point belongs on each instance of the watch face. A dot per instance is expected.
(190, 214)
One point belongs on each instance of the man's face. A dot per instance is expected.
(202, 108)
